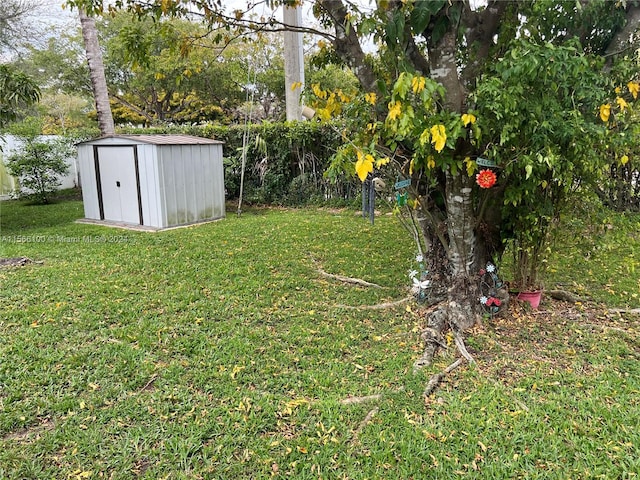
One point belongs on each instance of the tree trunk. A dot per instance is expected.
(347, 44)
(622, 39)
(96, 73)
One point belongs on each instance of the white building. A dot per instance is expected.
(155, 181)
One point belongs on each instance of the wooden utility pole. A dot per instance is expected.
(293, 62)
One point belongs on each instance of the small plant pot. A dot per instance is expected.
(532, 297)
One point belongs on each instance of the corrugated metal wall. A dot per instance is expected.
(178, 184)
(191, 183)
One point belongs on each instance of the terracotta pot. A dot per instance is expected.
(532, 297)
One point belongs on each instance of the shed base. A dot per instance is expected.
(141, 228)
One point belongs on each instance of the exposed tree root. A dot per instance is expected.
(26, 434)
(633, 311)
(436, 378)
(149, 384)
(462, 348)
(357, 400)
(363, 424)
(342, 278)
(433, 337)
(563, 295)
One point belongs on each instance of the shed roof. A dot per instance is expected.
(157, 139)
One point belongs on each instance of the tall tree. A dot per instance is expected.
(96, 73)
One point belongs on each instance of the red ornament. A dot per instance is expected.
(486, 178)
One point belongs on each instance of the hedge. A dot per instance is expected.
(285, 162)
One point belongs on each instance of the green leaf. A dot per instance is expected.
(440, 28)
(528, 169)
(420, 17)
(434, 6)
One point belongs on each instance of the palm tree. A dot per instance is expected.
(96, 73)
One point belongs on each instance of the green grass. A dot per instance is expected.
(217, 351)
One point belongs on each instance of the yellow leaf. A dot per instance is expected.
(471, 166)
(382, 161)
(370, 98)
(468, 118)
(344, 98)
(605, 112)
(424, 137)
(634, 89)
(438, 137)
(544, 184)
(411, 164)
(622, 103)
(318, 92)
(364, 166)
(417, 84)
(395, 109)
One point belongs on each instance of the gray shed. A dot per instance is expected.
(155, 181)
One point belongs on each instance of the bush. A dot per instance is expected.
(38, 165)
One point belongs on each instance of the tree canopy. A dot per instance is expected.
(17, 90)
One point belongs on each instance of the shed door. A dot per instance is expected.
(119, 183)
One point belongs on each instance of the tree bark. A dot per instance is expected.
(347, 44)
(444, 69)
(96, 73)
(622, 38)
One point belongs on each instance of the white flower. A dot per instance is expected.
(483, 300)
(491, 267)
(413, 274)
(419, 258)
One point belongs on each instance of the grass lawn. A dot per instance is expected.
(219, 352)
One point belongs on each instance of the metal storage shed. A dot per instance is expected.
(155, 181)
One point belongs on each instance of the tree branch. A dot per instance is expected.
(347, 44)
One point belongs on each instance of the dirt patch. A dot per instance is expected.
(16, 262)
(30, 433)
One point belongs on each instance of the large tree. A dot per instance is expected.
(456, 82)
(96, 73)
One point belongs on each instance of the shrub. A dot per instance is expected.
(38, 165)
